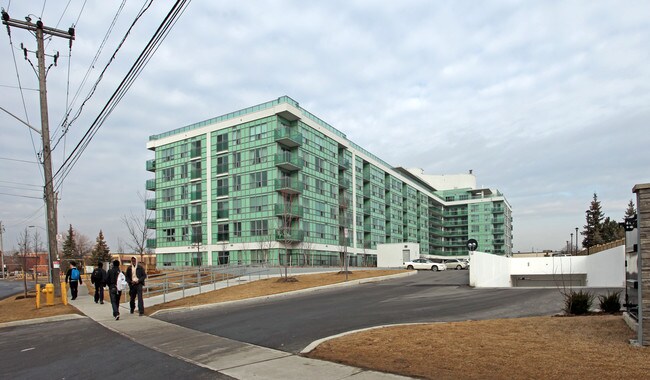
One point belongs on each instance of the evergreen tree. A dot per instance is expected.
(69, 250)
(100, 252)
(593, 229)
(612, 231)
(631, 210)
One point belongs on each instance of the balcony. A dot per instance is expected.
(195, 195)
(196, 217)
(288, 185)
(222, 214)
(195, 174)
(344, 202)
(151, 165)
(293, 211)
(150, 224)
(150, 204)
(344, 164)
(195, 152)
(288, 137)
(498, 210)
(498, 220)
(289, 236)
(366, 192)
(453, 213)
(344, 220)
(289, 161)
(222, 146)
(344, 183)
(151, 184)
(344, 241)
(151, 243)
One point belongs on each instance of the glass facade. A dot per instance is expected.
(287, 186)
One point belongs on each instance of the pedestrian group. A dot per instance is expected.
(116, 280)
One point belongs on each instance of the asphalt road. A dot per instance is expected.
(83, 349)
(291, 323)
(12, 287)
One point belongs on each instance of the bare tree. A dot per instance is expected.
(37, 244)
(285, 229)
(84, 248)
(264, 245)
(307, 247)
(23, 248)
(136, 225)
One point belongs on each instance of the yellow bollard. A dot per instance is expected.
(64, 293)
(38, 296)
(49, 294)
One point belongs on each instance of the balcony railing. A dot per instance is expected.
(288, 185)
(195, 173)
(344, 183)
(288, 137)
(151, 224)
(151, 184)
(195, 152)
(195, 195)
(498, 210)
(344, 164)
(222, 214)
(289, 161)
(151, 165)
(294, 211)
(283, 235)
(151, 243)
(196, 216)
(150, 204)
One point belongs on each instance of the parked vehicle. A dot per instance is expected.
(424, 264)
(456, 264)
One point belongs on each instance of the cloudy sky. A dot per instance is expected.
(549, 102)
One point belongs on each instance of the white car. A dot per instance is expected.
(456, 264)
(424, 264)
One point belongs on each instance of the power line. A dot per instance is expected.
(24, 184)
(17, 160)
(21, 196)
(159, 36)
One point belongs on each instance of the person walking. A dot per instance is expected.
(98, 278)
(135, 276)
(73, 277)
(115, 280)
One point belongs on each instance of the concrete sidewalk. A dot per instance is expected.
(236, 359)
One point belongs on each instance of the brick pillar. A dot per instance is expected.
(643, 216)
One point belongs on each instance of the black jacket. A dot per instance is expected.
(98, 277)
(111, 277)
(68, 276)
(139, 272)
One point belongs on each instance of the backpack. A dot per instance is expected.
(74, 275)
(121, 282)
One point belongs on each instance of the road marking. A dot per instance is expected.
(27, 349)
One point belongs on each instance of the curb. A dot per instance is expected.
(312, 346)
(286, 294)
(34, 321)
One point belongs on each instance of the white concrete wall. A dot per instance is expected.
(487, 270)
(603, 269)
(390, 255)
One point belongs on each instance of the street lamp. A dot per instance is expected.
(571, 244)
(199, 259)
(576, 240)
(49, 265)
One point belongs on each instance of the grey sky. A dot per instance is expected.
(548, 102)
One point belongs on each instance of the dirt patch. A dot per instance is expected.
(17, 308)
(521, 348)
(268, 287)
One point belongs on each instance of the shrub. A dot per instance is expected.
(610, 303)
(578, 303)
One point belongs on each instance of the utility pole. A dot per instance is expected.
(50, 198)
(2, 251)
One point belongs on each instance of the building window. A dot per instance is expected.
(184, 171)
(320, 186)
(197, 234)
(319, 165)
(222, 232)
(168, 195)
(236, 205)
(222, 142)
(222, 164)
(183, 150)
(259, 155)
(236, 159)
(185, 233)
(185, 213)
(167, 154)
(222, 186)
(258, 179)
(258, 203)
(169, 234)
(236, 183)
(168, 214)
(168, 174)
(222, 209)
(236, 137)
(259, 227)
(257, 131)
(236, 227)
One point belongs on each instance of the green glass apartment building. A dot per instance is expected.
(248, 186)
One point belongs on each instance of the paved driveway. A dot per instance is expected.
(291, 323)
